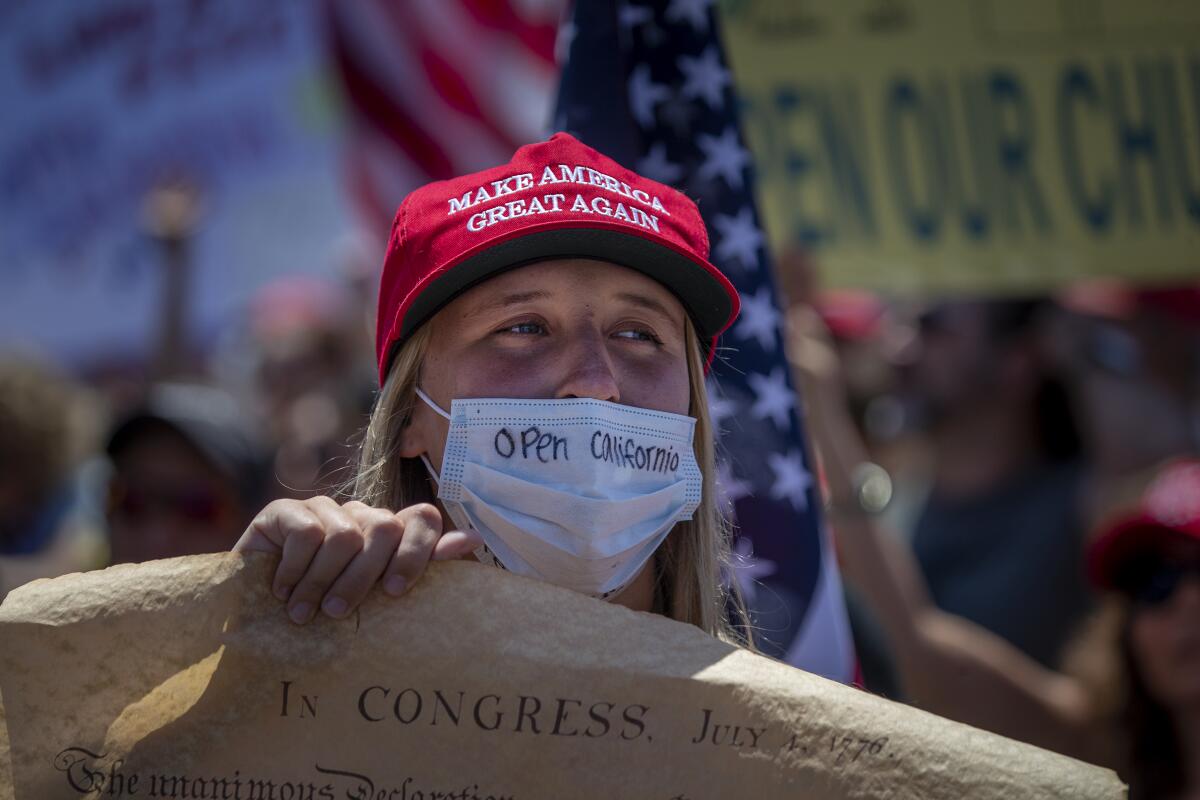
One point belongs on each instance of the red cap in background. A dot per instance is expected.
(1116, 299)
(1169, 511)
(851, 314)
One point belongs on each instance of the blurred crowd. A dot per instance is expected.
(130, 462)
(1011, 433)
(1013, 430)
(1037, 571)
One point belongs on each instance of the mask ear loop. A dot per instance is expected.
(431, 404)
(432, 472)
(483, 553)
(425, 459)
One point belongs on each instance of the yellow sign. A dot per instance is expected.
(994, 145)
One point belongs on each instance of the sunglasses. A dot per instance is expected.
(1159, 585)
(192, 503)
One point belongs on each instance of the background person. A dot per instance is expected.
(1003, 516)
(1132, 358)
(312, 378)
(187, 475)
(1141, 659)
(50, 522)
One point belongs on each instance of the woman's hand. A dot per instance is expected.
(331, 555)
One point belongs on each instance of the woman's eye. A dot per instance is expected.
(639, 335)
(524, 328)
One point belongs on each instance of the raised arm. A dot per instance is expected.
(948, 665)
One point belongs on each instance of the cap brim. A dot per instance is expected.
(707, 296)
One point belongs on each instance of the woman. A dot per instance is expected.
(1140, 664)
(584, 290)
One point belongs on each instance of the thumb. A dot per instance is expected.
(456, 544)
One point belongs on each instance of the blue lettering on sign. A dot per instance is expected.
(969, 163)
(798, 164)
(1014, 147)
(1077, 93)
(905, 112)
(960, 152)
(838, 164)
(844, 132)
(1137, 140)
(1177, 138)
(1151, 141)
(817, 138)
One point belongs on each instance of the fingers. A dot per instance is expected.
(287, 528)
(304, 535)
(456, 544)
(343, 540)
(422, 529)
(382, 532)
(331, 555)
(267, 531)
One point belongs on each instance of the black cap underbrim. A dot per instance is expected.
(704, 297)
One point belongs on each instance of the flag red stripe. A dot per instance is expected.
(443, 76)
(451, 87)
(373, 102)
(365, 192)
(499, 15)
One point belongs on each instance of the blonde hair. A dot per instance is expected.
(689, 564)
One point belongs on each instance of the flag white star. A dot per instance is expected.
(656, 165)
(694, 12)
(705, 77)
(740, 238)
(644, 95)
(772, 397)
(731, 488)
(720, 407)
(759, 319)
(754, 566)
(562, 42)
(792, 479)
(724, 156)
(747, 568)
(633, 16)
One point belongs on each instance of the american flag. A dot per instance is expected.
(437, 88)
(647, 84)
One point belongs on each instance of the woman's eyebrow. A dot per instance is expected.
(507, 300)
(648, 303)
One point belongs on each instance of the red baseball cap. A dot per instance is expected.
(1169, 511)
(1119, 300)
(554, 199)
(851, 314)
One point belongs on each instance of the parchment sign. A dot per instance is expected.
(184, 679)
(975, 144)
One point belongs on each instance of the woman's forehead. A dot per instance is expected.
(571, 280)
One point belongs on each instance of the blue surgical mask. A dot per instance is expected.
(578, 493)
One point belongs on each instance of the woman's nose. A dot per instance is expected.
(589, 371)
